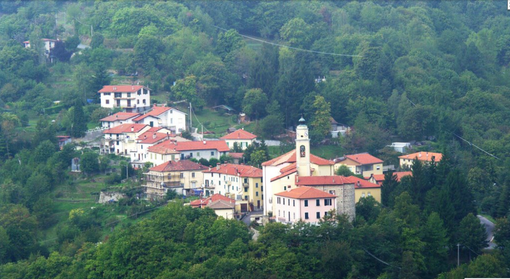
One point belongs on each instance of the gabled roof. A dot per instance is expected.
(120, 88)
(173, 147)
(182, 165)
(423, 156)
(364, 159)
(305, 192)
(234, 169)
(126, 128)
(289, 172)
(119, 116)
(213, 198)
(334, 180)
(399, 174)
(221, 204)
(290, 157)
(155, 112)
(236, 155)
(240, 134)
(151, 137)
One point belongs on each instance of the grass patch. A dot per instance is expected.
(213, 121)
(327, 151)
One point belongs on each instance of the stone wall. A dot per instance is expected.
(105, 197)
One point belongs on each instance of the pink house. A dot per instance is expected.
(303, 203)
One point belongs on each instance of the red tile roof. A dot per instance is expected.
(240, 134)
(119, 116)
(155, 112)
(334, 180)
(289, 172)
(182, 165)
(151, 137)
(126, 128)
(236, 155)
(221, 204)
(364, 159)
(423, 156)
(164, 147)
(305, 192)
(290, 157)
(289, 167)
(120, 88)
(399, 174)
(233, 169)
(213, 198)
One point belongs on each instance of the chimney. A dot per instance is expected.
(132, 128)
(114, 88)
(218, 167)
(145, 137)
(116, 116)
(358, 184)
(154, 135)
(167, 136)
(204, 142)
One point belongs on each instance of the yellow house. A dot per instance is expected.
(185, 177)
(239, 182)
(362, 163)
(406, 161)
(240, 137)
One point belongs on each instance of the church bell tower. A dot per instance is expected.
(302, 149)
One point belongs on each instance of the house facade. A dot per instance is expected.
(305, 204)
(182, 150)
(131, 98)
(362, 163)
(121, 140)
(163, 116)
(239, 182)
(240, 138)
(406, 161)
(181, 176)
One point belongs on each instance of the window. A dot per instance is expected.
(294, 203)
(318, 202)
(117, 142)
(246, 180)
(118, 95)
(212, 153)
(278, 212)
(368, 194)
(107, 94)
(107, 102)
(219, 182)
(246, 189)
(328, 202)
(257, 194)
(256, 185)
(306, 203)
(278, 200)
(193, 175)
(143, 101)
(138, 102)
(326, 214)
(318, 215)
(306, 216)
(246, 197)
(129, 95)
(261, 188)
(182, 175)
(294, 215)
(288, 201)
(378, 167)
(198, 154)
(141, 146)
(332, 192)
(363, 194)
(284, 188)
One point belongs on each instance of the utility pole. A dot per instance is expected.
(190, 118)
(458, 259)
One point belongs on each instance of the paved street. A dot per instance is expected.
(489, 227)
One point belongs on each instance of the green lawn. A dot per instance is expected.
(328, 151)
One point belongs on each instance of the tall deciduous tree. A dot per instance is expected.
(471, 234)
(254, 103)
(321, 124)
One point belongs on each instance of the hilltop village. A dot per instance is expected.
(296, 186)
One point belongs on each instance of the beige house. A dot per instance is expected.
(241, 138)
(406, 161)
(362, 163)
(185, 177)
(223, 208)
(239, 182)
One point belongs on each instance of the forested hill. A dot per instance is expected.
(434, 71)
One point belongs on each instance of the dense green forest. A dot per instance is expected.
(431, 71)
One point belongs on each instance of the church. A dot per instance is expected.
(299, 168)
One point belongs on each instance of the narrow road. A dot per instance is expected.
(489, 227)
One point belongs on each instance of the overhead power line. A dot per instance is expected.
(294, 48)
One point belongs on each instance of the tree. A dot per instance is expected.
(343, 170)
(321, 124)
(435, 237)
(368, 208)
(254, 103)
(258, 157)
(79, 122)
(89, 162)
(471, 234)
(186, 89)
(389, 185)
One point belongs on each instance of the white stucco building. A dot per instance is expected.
(131, 98)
